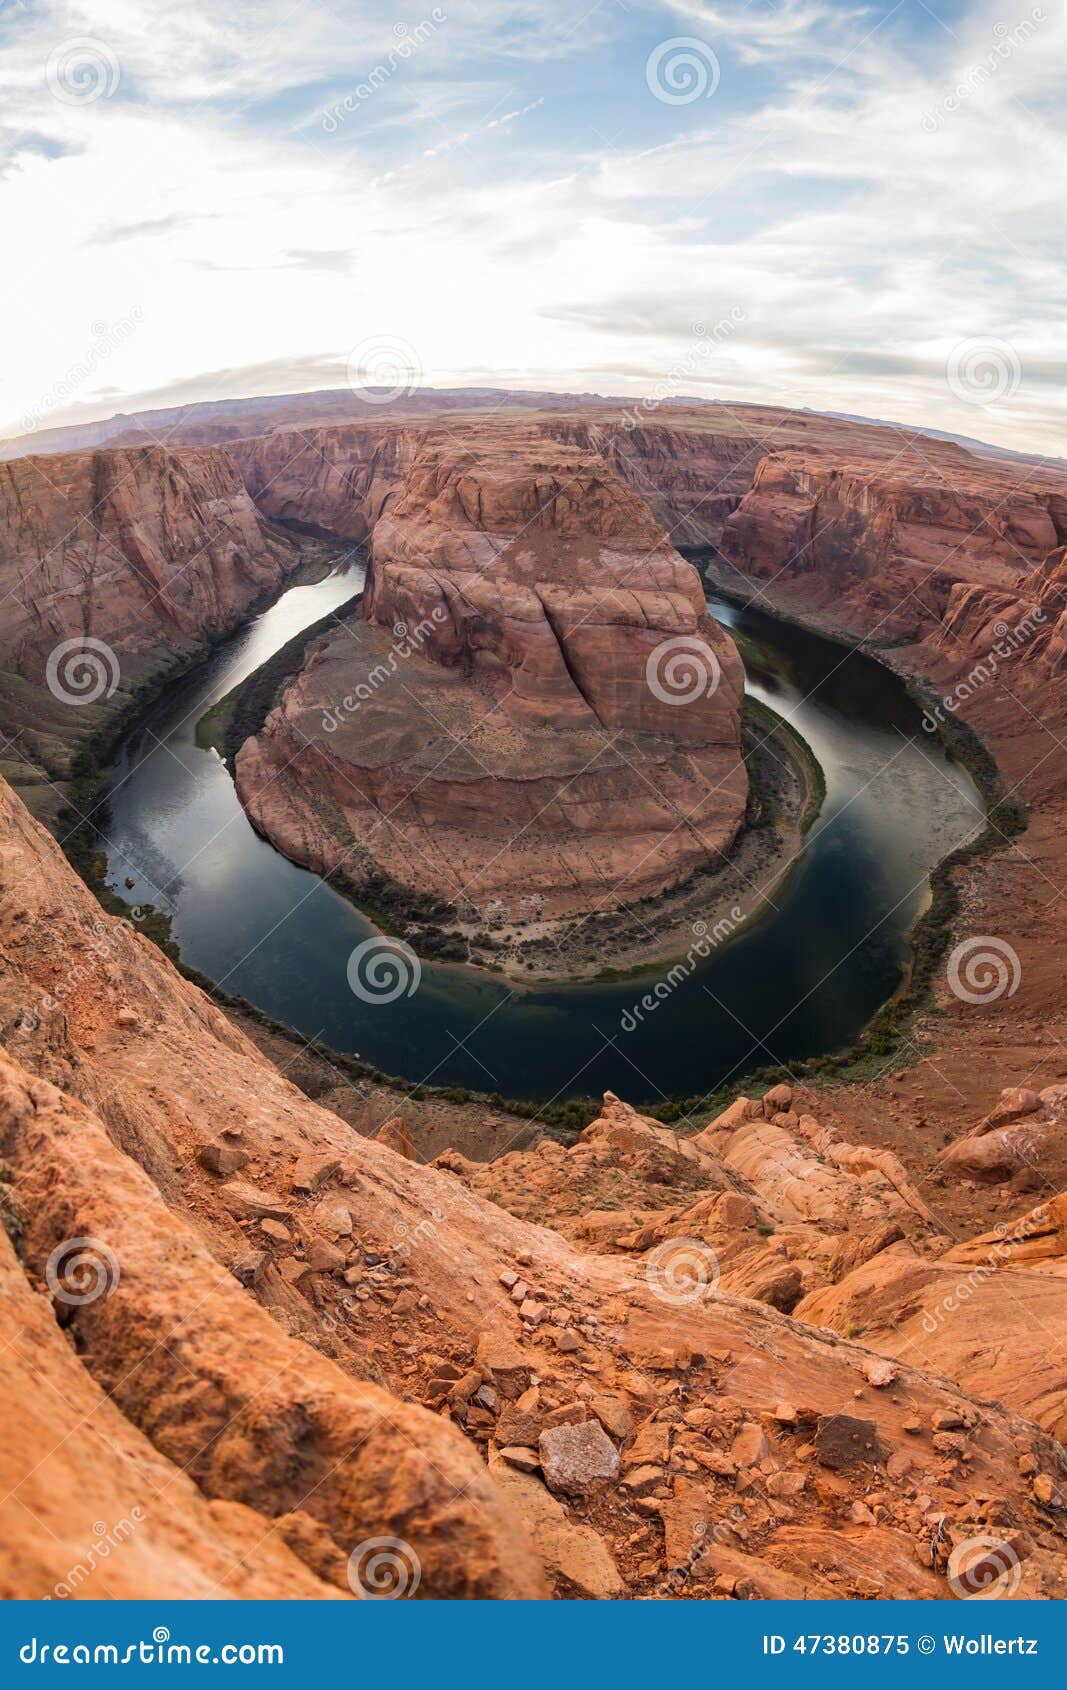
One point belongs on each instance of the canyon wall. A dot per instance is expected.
(115, 566)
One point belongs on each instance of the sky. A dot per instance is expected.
(853, 207)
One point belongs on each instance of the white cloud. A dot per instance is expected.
(861, 240)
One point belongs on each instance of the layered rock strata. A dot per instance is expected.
(537, 707)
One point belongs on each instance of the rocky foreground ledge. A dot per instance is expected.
(626, 1368)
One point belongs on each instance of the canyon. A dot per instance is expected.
(807, 1346)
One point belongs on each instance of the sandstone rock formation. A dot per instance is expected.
(349, 1277)
(819, 1366)
(114, 567)
(562, 722)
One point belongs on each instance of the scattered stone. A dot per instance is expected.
(749, 1446)
(574, 1556)
(639, 1481)
(313, 1171)
(614, 1416)
(525, 1460)
(249, 1269)
(324, 1257)
(395, 1134)
(947, 1420)
(275, 1230)
(878, 1372)
(332, 1217)
(841, 1441)
(246, 1203)
(578, 1460)
(509, 1279)
(567, 1343)
(505, 1362)
(222, 1159)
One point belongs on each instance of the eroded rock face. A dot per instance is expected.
(563, 719)
(138, 547)
(278, 1389)
(114, 567)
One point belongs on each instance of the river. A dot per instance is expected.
(800, 981)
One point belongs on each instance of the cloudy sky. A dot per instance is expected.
(853, 207)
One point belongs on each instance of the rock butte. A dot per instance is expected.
(537, 741)
(851, 1367)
